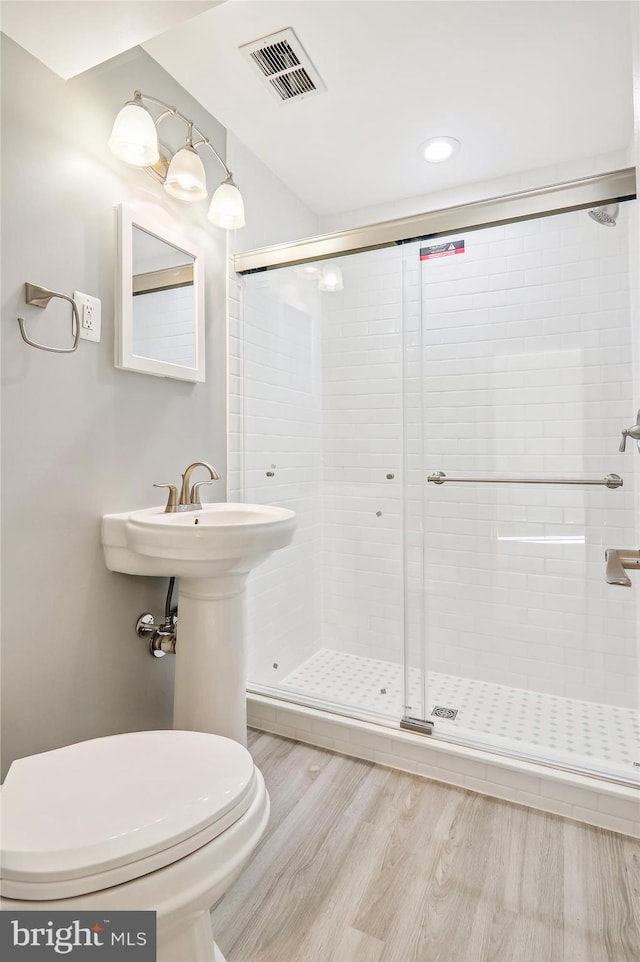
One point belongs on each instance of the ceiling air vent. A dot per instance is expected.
(282, 61)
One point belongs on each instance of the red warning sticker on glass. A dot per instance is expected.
(442, 250)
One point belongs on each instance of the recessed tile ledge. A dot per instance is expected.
(585, 799)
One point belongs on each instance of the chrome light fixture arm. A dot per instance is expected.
(172, 111)
(205, 142)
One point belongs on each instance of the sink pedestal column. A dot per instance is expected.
(210, 674)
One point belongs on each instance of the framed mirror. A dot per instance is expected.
(159, 299)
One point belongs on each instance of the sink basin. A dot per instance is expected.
(216, 539)
(211, 551)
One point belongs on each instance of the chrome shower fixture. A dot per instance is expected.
(632, 432)
(607, 215)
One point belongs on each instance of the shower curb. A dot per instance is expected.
(585, 799)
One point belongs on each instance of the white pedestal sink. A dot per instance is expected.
(211, 551)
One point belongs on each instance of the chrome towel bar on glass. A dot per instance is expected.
(609, 481)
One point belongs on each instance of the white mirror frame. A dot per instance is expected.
(128, 218)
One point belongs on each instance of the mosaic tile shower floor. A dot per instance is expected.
(562, 728)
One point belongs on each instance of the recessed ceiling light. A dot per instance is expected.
(437, 149)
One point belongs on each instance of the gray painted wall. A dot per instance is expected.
(80, 438)
(274, 214)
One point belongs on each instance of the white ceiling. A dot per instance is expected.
(71, 37)
(521, 84)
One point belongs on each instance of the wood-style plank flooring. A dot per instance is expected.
(365, 864)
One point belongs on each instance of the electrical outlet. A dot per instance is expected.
(89, 309)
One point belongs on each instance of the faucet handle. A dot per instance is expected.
(173, 496)
(632, 432)
(195, 490)
(617, 560)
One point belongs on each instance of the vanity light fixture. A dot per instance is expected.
(134, 139)
(437, 149)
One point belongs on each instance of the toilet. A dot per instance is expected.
(161, 820)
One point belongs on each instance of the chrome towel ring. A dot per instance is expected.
(40, 297)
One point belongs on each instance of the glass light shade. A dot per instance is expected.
(185, 178)
(330, 278)
(134, 138)
(227, 206)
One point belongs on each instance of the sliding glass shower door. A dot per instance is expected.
(444, 425)
(319, 404)
(529, 349)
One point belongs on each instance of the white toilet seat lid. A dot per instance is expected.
(98, 805)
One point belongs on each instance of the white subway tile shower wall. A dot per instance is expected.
(528, 372)
(275, 440)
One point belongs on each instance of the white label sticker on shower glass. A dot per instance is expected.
(442, 250)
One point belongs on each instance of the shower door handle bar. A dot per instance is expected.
(609, 481)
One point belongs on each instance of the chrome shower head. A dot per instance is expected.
(606, 215)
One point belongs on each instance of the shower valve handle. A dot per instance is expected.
(632, 432)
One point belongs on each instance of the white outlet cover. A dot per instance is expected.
(94, 303)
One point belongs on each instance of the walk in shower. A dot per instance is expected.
(445, 420)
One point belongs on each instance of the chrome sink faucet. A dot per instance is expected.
(189, 497)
